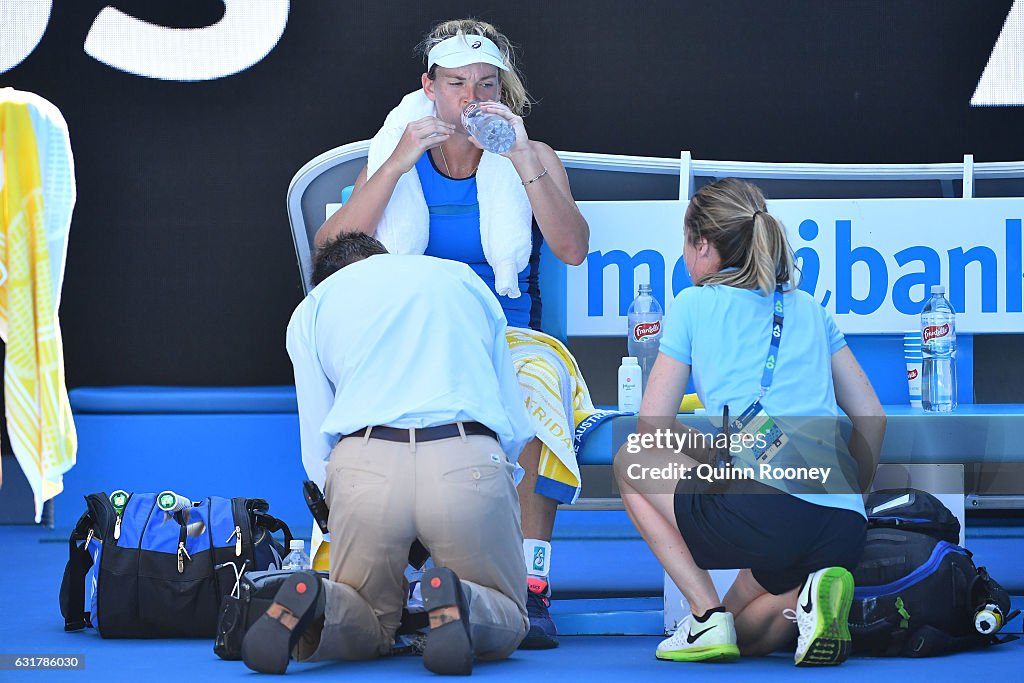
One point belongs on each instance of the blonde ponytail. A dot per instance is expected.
(731, 215)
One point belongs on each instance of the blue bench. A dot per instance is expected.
(198, 441)
(243, 441)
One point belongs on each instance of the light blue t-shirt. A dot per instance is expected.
(723, 333)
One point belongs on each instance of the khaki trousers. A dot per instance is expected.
(457, 496)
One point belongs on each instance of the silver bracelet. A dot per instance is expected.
(535, 178)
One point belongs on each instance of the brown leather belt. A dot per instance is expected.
(423, 434)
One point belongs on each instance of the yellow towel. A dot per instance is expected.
(554, 391)
(38, 412)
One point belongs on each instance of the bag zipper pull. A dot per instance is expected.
(237, 535)
(119, 501)
(182, 553)
(182, 556)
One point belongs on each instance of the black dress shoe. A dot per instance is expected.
(269, 642)
(448, 649)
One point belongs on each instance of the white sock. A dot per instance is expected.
(537, 554)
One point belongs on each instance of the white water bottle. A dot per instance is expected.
(296, 560)
(630, 385)
(938, 351)
(644, 331)
(494, 133)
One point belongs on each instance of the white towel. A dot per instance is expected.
(505, 212)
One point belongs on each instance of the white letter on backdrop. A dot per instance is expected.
(246, 34)
(24, 24)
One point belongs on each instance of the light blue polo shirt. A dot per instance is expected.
(723, 333)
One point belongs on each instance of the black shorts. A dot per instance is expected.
(779, 537)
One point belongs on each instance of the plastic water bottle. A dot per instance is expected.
(494, 133)
(938, 350)
(297, 559)
(644, 331)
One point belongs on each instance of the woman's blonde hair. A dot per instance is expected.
(731, 215)
(513, 89)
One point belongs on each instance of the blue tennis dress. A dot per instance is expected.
(455, 235)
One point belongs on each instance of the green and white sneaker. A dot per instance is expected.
(711, 641)
(822, 610)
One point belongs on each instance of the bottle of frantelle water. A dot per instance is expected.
(644, 331)
(297, 559)
(938, 350)
(494, 133)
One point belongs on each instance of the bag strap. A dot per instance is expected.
(72, 586)
(273, 524)
(897, 641)
(929, 641)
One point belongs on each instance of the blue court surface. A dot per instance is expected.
(32, 626)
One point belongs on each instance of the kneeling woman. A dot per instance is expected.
(764, 352)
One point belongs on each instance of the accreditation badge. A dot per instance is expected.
(756, 435)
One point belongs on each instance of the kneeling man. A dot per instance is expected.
(408, 397)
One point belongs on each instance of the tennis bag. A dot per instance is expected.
(146, 573)
(917, 591)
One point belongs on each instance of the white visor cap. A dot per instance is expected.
(462, 49)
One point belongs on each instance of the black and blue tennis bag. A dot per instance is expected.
(917, 591)
(147, 573)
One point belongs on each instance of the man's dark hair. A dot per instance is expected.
(341, 251)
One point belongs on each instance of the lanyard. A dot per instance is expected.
(773, 350)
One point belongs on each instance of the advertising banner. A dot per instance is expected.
(871, 262)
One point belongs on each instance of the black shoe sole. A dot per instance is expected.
(448, 649)
(537, 639)
(268, 644)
